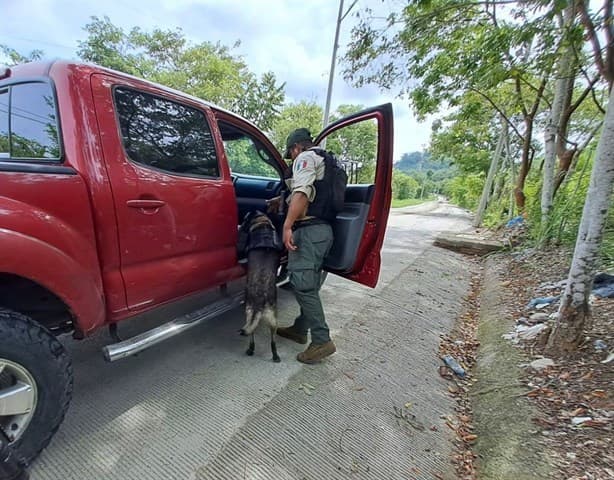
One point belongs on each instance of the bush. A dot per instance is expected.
(465, 190)
(403, 186)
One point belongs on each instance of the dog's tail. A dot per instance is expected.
(252, 319)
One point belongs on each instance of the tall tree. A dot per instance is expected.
(574, 310)
(436, 51)
(296, 115)
(490, 178)
(206, 70)
(355, 145)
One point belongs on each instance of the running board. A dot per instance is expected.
(156, 335)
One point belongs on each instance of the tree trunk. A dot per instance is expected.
(510, 161)
(562, 95)
(561, 113)
(574, 310)
(527, 149)
(525, 165)
(494, 163)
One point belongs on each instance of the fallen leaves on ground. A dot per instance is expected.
(462, 345)
(574, 396)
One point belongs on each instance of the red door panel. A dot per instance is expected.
(177, 232)
(366, 265)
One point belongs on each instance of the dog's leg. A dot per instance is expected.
(249, 318)
(271, 319)
(276, 358)
(252, 345)
(250, 327)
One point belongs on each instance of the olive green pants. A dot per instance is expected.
(305, 268)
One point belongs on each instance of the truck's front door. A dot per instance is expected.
(174, 199)
(359, 229)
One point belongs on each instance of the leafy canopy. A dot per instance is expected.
(206, 70)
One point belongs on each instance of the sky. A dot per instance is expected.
(292, 38)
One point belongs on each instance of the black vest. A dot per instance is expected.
(322, 206)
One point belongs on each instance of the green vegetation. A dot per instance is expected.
(488, 73)
(417, 176)
(409, 202)
(522, 91)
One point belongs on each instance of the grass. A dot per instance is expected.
(408, 202)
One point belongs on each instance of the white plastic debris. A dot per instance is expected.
(609, 358)
(538, 317)
(532, 332)
(580, 420)
(541, 363)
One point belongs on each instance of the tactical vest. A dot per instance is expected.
(330, 190)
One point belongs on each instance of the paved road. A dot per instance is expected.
(196, 407)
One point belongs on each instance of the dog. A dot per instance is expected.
(263, 253)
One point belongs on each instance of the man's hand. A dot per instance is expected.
(288, 239)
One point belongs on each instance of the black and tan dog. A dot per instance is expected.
(263, 251)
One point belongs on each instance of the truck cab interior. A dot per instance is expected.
(257, 177)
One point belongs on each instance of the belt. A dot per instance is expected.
(308, 222)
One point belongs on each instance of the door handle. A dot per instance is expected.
(147, 204)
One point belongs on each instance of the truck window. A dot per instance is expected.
(165, 135)
(243, 158)
(33, 132)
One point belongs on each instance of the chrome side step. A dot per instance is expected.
(156, 335)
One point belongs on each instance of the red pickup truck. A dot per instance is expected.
(119, 196)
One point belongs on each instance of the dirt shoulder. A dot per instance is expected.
(508, 445)
(539, 422)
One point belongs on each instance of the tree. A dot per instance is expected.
(468, 135)
(566, 133)
(14, 57)
(574, 310)
(403, 186)
(490, 178)
(295, 115)
(440, 50)
(354, 145)
(436, 52)
(205, 70)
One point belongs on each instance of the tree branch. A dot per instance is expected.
(592, 36)
(538, 98)
(520, 97)
(583, 95)
(499, 111)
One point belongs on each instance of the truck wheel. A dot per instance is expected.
(36, 380)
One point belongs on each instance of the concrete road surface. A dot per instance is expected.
(196, 407)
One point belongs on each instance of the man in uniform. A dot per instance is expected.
(308, 237)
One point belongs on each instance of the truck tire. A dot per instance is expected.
(36, 381)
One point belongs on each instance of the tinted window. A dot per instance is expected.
(165, 135)
(34, 131)
(244, 158)
(4, 123)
